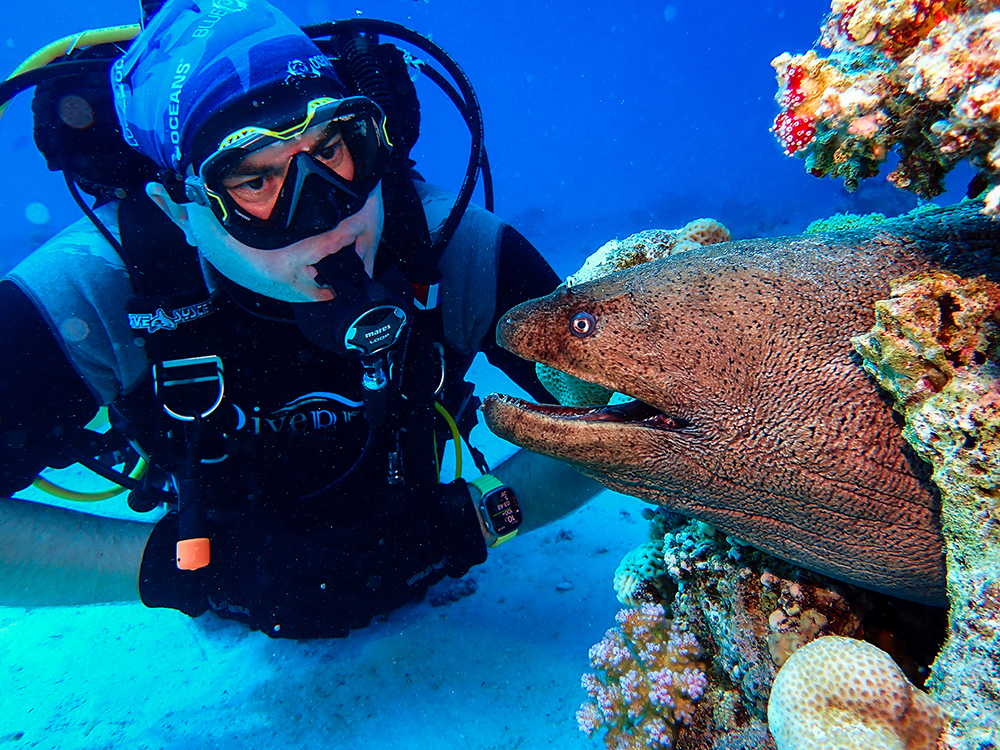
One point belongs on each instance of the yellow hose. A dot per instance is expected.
(101, 423)
(87, 497)
(455, 436)
(66, 45)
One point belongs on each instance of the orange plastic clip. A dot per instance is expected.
(193, 553)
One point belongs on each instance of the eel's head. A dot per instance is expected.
(629, 333)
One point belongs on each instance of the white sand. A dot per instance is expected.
(496, 670)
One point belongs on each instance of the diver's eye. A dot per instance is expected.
(331, 146)
(244, 185)
(583, 324)
(330, 150)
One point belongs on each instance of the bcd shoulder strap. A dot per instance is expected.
(166, 276)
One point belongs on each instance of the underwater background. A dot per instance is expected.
(601, 120)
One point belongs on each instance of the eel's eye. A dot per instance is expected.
(583, 324)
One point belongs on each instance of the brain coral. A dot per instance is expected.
(640, 575)
(844, 694)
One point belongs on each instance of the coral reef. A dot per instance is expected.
(917, 77)
(845, 694)
(935, 348)
(746, 607)
(841, 222)
(618, 255)
(751, 612)
(649, 675)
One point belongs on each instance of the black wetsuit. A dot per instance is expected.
(292, 555)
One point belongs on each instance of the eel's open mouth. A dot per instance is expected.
(632, 412)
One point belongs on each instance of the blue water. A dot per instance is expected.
(602, 120)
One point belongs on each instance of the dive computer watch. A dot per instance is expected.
(498, 508)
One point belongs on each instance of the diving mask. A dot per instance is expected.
(313, 198)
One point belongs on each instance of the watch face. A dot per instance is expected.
(502, 508)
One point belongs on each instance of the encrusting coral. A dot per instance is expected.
(936, 348)
(642, 247)
(917, 77)
(845, 694)
(648, 677)
(840, 222)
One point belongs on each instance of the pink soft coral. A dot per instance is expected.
(647, 681)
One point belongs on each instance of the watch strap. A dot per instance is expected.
(486, 483)
(505, 538)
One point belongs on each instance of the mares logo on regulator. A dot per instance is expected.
(363, 320)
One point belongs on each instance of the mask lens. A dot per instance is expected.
(320, 185)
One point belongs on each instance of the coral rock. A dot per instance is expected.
(653, 244)
(936, 348)
(842, 222)
(750, 612)
(844, 694)
(918, 77)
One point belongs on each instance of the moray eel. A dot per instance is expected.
(751, 411)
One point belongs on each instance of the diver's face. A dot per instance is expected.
(286, 273)
(255, 181)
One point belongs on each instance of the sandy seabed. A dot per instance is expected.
(496, 670)
(499, 669)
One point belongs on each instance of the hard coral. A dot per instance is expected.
(653, 244)
(649, 675)
(844, 694)
(640, 576)
(750, 612)
(936, 348)
(831, 114)
(892, 26)
(918, 77)
(801, 614)
(840, 222)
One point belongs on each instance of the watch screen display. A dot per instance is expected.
(504, 512)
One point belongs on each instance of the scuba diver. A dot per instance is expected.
(278, 314)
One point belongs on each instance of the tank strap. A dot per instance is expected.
(170, 300)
